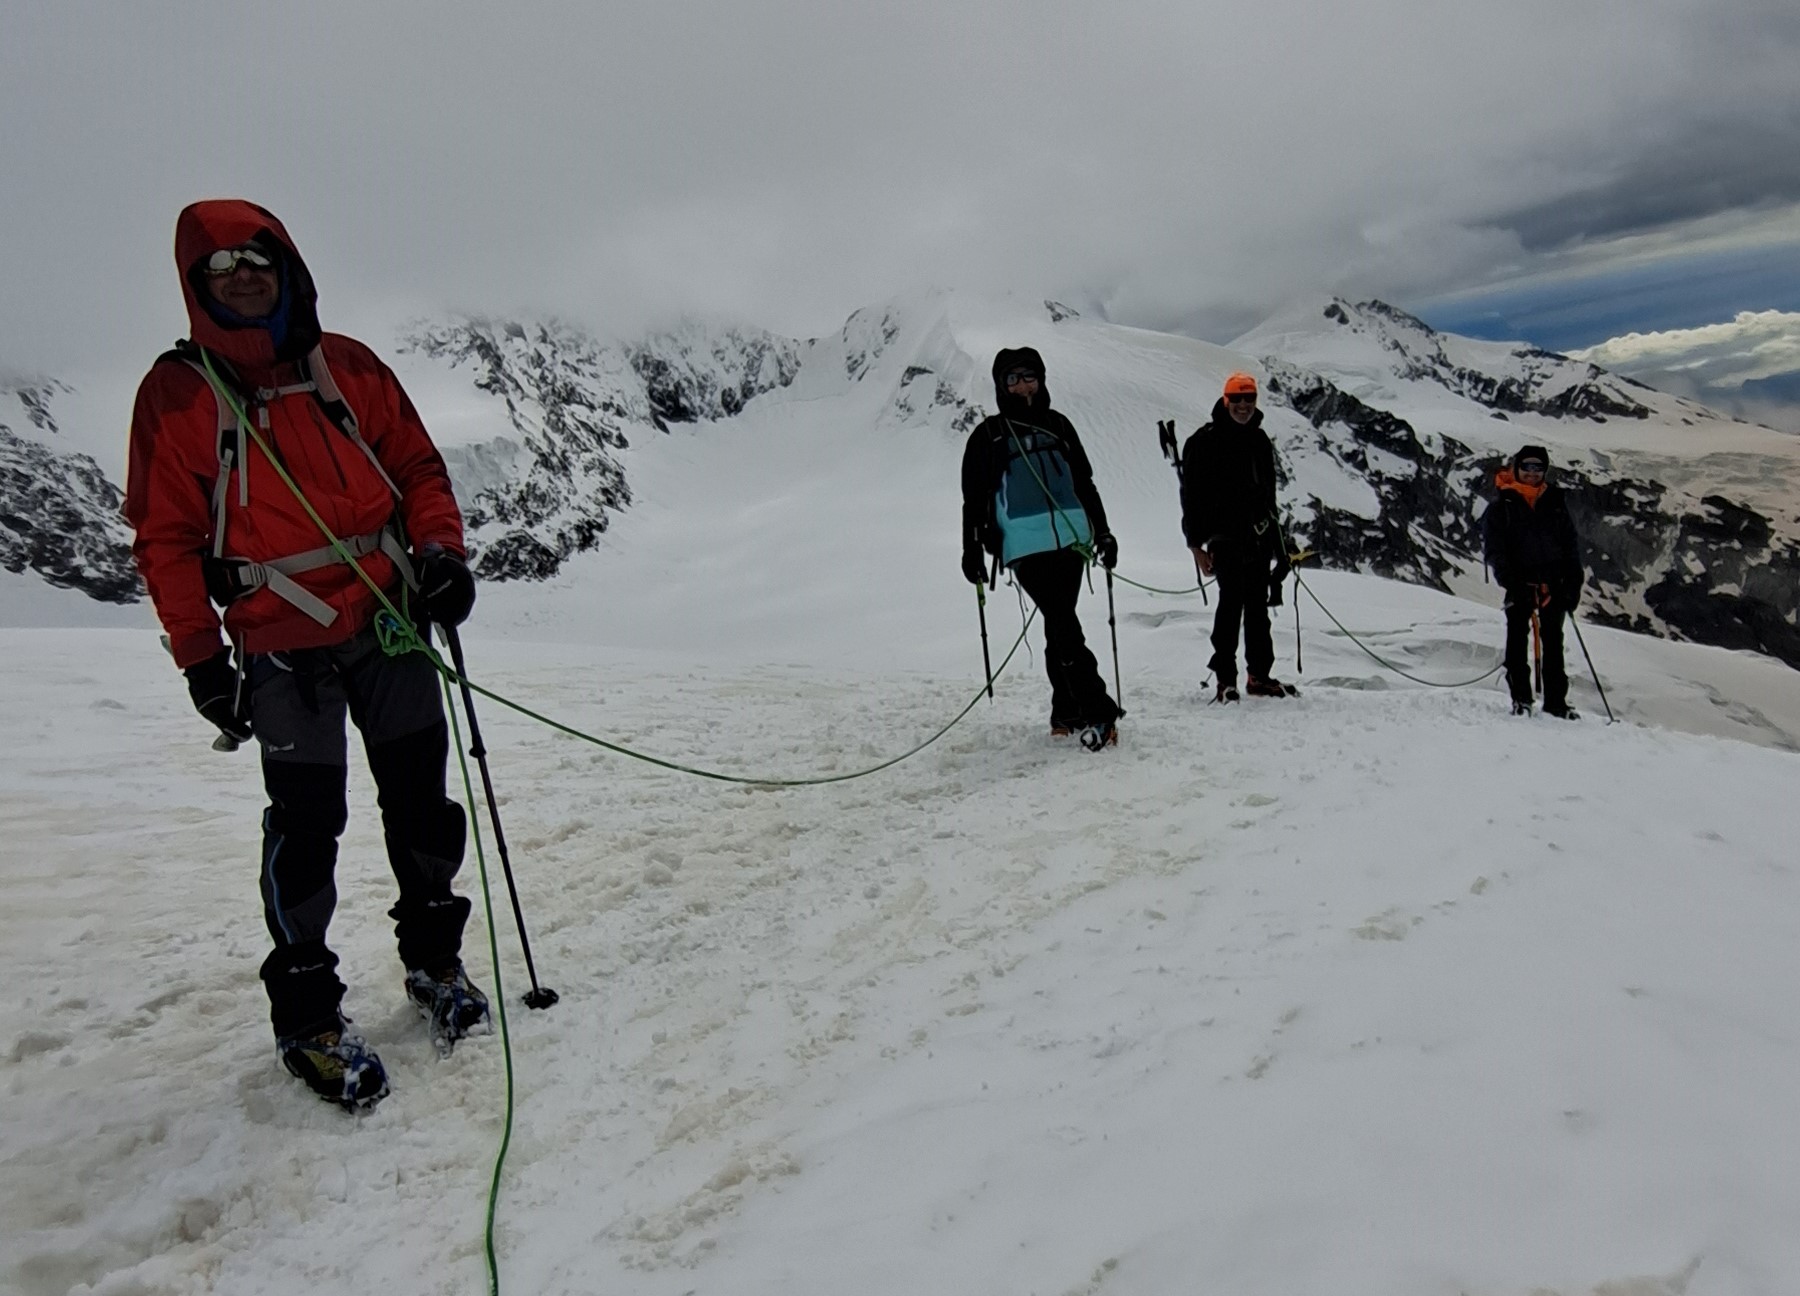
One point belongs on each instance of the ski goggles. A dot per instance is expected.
(1018, 376)
(1533, 466)
(226, 261)
(1241, 398)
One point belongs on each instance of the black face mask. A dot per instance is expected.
(1012, 399)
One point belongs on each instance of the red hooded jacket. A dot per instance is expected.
(174, 462)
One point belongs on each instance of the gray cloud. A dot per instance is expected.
(1702, 169)
(1748, 366)
(1191, 165)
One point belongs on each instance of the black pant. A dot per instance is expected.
(1242, 567)
(298, 701)
(1078, 695)
(1518, 650)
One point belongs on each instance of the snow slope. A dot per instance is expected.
(1376, 991)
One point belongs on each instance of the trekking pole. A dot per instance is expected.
(538, 996)
(1165, 437)
(1113, 625)
(987, 664)
(1299, 666)
(1610, 717)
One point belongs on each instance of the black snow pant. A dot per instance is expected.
(1078, 696)
(1518, 607)
(1242, 569)
(298, 701)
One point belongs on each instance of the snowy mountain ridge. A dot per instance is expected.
(1518, 380)
(574, 403)
(1687, 519)
(1389, 433)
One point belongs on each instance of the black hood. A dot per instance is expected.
(1019, 358)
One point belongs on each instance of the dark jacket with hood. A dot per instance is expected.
(175, 458)
(1228, 482)
(999, 442)
(1530, 538)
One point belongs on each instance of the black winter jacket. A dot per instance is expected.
(1228, 481)
(990, 449)
(1532, 544)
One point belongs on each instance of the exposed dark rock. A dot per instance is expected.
(690, 375)
(573, 401)
(1708, 569)
(59, 517)
(562, 396)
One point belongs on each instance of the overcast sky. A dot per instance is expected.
(1180, 164)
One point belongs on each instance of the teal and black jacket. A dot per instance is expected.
(1027, 485)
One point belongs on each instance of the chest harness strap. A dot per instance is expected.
(245, 575)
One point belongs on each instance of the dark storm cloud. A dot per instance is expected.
(1705, 168)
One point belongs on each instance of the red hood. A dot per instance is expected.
(204, 228)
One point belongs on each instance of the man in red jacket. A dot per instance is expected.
(216, 525)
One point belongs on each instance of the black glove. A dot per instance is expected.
(213, 684)
(1275, 584)
(1106, 549)
(1568, 597)
(446, 586)
(974, 565)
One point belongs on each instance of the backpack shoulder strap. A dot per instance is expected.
(331, 399)
(229, 436)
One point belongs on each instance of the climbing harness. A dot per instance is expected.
(231, 577)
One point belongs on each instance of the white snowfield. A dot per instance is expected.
(1369, 992)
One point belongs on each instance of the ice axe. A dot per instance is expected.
(1165, 438)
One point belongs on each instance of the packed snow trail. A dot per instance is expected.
(1373, 990)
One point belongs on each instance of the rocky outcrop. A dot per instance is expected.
(1660, 560)
(693, 374)
(532, 500)
(1422, 529)
(59, 515)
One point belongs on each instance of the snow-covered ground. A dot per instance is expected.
(1373, 991)
(1377, 990)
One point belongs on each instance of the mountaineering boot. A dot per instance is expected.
(1563, 712)
(451, 1003)
(1226, 692)
(1268, 686)
(1061, 729)
(1101, 736)
(1521, 708)
(337, 1064)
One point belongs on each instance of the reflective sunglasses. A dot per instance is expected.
(226, 261)
(1242, 398)
(1532, 466)
(1018, 376)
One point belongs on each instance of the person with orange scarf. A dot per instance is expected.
(1531, 546)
